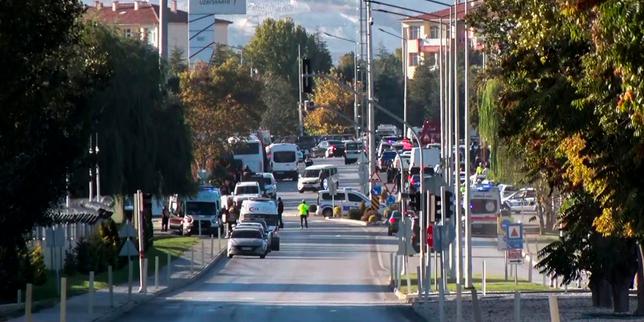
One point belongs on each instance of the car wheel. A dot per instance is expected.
(328, 212)
(262, 256)
(230, 255)
(300, 191)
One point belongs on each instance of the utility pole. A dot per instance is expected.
(440, 93)
(450, 99)
(98, 172)
(300, 80)
(370, 108)
(457, 164)
(356, 105)
(468, 220)
(91, 172)
(403, 46)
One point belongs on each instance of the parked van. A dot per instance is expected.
(431, 157)
(203, 209)
(283, 160)
(317, 177)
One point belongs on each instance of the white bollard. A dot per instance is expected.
(90, 294)
(19, 297)
(28, 299)
(145, 275)
(554, 308)
(484, 279)
(129, 279)
(203, 253)
(391, 267)
(63, 299)
(168, 271)
(192, 260)
(212, 246)
(219, 239)
(459, 304)
(156, 272)
(395, 271)
(110, 284)
(517, 307)
(530, 270)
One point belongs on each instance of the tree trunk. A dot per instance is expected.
(601, 293)
(640, 280)
(620, 295)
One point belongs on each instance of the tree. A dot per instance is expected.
(273, 50)
(281, 115)
(388, 84)
(48, 71)
(423, 96)
(329, 96)
(221, 102)
(570, 109)
(346, 67)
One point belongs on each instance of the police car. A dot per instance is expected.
(345, 198)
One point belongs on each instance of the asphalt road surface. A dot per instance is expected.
(329, 272)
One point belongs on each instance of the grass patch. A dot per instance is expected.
(79, 284)
(494, 284)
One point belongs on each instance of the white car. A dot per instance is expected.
(344, 198)
(246, 190)
(270, 184)
(247, 241)
(523, 200)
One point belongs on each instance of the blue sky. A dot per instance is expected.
(339, 17)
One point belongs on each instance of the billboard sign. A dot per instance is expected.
(217, 7)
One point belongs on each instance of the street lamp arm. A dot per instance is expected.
(338, 37)
(390, 33)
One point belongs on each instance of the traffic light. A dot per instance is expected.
(307, 80)
(448, 202)
(435, 212)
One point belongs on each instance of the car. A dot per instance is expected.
(246, 190)
(256, 225)
(320, 149)
(352, 151)
(317, 177)
(506, 190)
(264, 212)
(270, 185)
(345, 198)
(247, 241)
(522, 200)
(393, 223)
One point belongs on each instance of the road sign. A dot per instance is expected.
(390, 200)
(515, 256)
(375, 177)
(514, 236)
(404, 246)
(127, 230)
(391, 187)
(377, 190)
(128, 249)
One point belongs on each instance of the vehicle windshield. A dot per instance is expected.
(246, 190)
(200, 208)
(311, 174)
(247, 148)
(284, 156)
(336, 143)
(246, 233)
(270, 219)
(354, 146)
(389, 155)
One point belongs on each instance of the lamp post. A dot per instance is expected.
(356, 105)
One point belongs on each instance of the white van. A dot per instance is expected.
(203, 209)
(431, 157)
(485, 208)
(317, 177)
(250, 152)
(352, 151)
(283, 160)
(246, 190)
(258, 209)
(345, 198)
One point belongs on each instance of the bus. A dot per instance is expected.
(250, 152)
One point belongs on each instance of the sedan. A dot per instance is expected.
(247, 241)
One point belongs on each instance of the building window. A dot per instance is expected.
(433, 32)
(413, 59)
(128, 33)
(414, 32)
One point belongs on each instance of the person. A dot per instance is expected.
(479, 169)
(165, 218)
(486, 170)
(280, 210)
(233, 215)
(223, 218)
(304, 213)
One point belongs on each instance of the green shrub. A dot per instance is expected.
(355, 214)
(38, 268)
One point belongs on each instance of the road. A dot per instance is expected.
(329, 272)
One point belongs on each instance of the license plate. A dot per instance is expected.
(247, 248)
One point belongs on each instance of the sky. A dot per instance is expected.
(338, 17)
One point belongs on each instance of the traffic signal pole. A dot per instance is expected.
(301, 84)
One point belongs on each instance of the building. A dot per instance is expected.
(140, 20)
(423, 36)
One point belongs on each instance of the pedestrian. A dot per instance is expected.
(165, 218)
(232, 216)
(223, 219)
(280, 210)
(304, 213)
(479, 169)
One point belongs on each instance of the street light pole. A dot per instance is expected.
(299, 104)
(370, 109)
(403, 45)
(468, 220)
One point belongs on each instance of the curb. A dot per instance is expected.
(348, 221)
(127, 307)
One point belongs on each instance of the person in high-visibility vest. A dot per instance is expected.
(303, 208)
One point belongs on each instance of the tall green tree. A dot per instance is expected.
(273, 50)
(48, 72)
(388, 85)
(346, 67)
(423, 97)
(281, 116)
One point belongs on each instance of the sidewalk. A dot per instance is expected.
(181, 274)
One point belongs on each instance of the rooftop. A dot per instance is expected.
(444, 13)
(140, 13)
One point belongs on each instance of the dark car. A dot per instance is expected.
(336, 148)
(386, 159)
